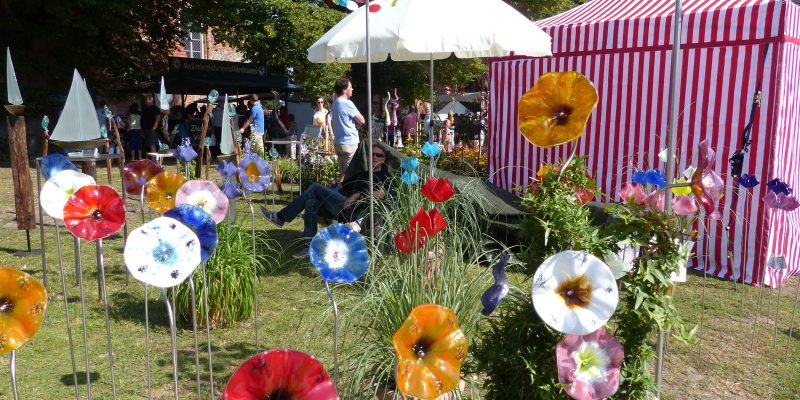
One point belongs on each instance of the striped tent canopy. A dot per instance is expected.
(729, 50)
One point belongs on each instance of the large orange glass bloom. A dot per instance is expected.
(161, 190)
(555, 110)
(430, 348)
(23, 301)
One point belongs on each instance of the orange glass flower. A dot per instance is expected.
(161, 189)
(23, 301)
(555, 110)
(430, 348)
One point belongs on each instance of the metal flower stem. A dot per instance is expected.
(174, 338)
(335, 333)
(141, 201)
(147, 339)
(66, 311)
(791, 325)
(255, 268)
(777, 316)
(758, 309)
(13, 369)
(101, 266)
(41, 225)
(208, 329)
(519, 297)
(569, 160)
(79, 269)
(194, 336)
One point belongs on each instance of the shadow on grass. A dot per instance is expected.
(131, 308)
(67, 380)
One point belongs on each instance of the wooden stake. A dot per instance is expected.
(23, 187)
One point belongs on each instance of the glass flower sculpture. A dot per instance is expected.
(253, 171)
(53, 164)
(185, 152)
(778, 186)
(622, 262)
(437, 190)
(227, 169)
(431, 149)
(339, 254)
(162, 252)
(497, 292)
(429, 223)
(409, 164)
(781, 201)
(161, 190)
(58, 189)
(654, 177)
(206, 195)
(231, 190)
(23, 301)
(280, 375)
(201, 223)
(683, 190)
(574, 292)
(634, 192)
(555, 110)
(706, 184)
(748, 181)
(94, 212)
(684, 205)
(430, 349)
(589, 365)
(409, 240)
(409, 177)
(137, 173)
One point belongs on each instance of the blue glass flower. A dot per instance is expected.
(185, 153)
(778, 186)
(201, 223)
(497, 292)
(409, 178)
(231, 190)
(656, 177)
(273, 153)
(227, 168)
(431, 149)
(748, 181)
(254, 172)
(409, 164)
(212, 96)
(53, 164)
(45, 122)
(339, 254)
(639, 177)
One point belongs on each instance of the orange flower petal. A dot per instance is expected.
(23, 301)
(161, 190)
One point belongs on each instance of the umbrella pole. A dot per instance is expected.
(430, 117)
(369, 131)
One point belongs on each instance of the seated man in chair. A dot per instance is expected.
(320, 201)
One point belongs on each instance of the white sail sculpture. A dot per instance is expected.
(163, 99)
(78, 127)
(226, 141)
(12, 87)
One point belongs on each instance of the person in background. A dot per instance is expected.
(150, 119)
(321, 119)
(134, 132)
(427, 129)
(292, 128)
(449, 132)
(256, 118)
(216, 125)
(344, 117)
(410, 126)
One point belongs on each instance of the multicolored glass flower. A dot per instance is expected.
(137, 173)
(430, 349)
(53, 164)
(339, 254)
(589, 365)
(555, 110)
(253, 171)
(574, 292)
(94, 212)
(23, 301)
(497, 292)
(431, 149)
(206, 195)
(161, 190)
(280, 375)
(185, 152)
(162, 252)
(706, 184)
(201, 223)
(58, 189)
(748, 181)
(437, 190)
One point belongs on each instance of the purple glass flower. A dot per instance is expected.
(254, 172)
(778, 186)
(781, 201)
(231, 190)
(497, 292)
(748, 181)
(589, 365)
(227, 168)
(185, 153)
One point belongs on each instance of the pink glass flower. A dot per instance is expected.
(206, 195)
(781, 201)
(658, 204)
(706, 184)
(684, 205)
(589, 365)
(630, 191)
(137, 173)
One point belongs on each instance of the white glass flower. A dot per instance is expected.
(57, 190)
(162, 252)
(622, 261)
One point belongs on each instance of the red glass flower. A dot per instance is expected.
(162, 189)
(437, 190)
(280, 375)
(94, 212)
(405, 241)
(23, 301)
(429, 223)
(137, 173)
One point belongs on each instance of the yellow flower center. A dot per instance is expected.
(576, 291)
(252, 172)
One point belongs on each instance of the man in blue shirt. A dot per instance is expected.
(344, 116)
(256, 118)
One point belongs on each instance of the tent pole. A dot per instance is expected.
(369, 131)
(672, 139)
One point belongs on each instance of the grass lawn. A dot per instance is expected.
(294, 312)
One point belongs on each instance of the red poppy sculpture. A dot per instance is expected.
(162, 189)
(137, 173)
(94, 212)
(280, 375)
(23, 301)
(437, 190)
(429, 223)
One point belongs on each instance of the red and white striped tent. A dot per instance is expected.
(624, 48)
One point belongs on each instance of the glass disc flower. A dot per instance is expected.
(497, 292)
(555, 110)
(574, 292)
(339, 254)
(254, 172)
(201, 223)
(280, 375)
(437, 190)
(94, 212)
(161, 190)
(206, 195)
(57, 190)
(589, 365)
(53, 164)
(706, 184)
(162, 252)
(430, 349)
(23, 301)
(137, 173)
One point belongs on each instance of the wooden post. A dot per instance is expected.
(23, 187)
(119, 142)
(202, 141)
(108, 162)
(45, 142)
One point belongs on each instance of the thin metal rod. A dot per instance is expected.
(147, 340)
(777, 316)
(173, 335)
(41, 223)
(758, 309)
(13, 369)
(141, 202)
(369, 129)
(255, 270)
(569, 160)
(702, 311)
(791, 325)
(79, 270)
(66, 311)
(335, 334)
(101, 266)
(519, 297)
(208, 330)
(194, 336)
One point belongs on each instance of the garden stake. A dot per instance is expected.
(174, 338)
(777, 316)
(79, 277)
(335, 333)
(99, 246)
(147, 339)
(66, 311)
(194, 335)
(208, 329)
(702, 311)
(791, 325)
(569, 160)
(255, 268)
(141, 202)
(41, 225)
(14, 374)
(758, 309)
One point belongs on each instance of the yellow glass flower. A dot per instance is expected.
(161, 190)
(23, 301)
(430, 348)
(682, 190)
(555, 110)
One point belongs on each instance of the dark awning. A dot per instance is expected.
(199, 76)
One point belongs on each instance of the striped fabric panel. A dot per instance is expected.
(792, 28)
